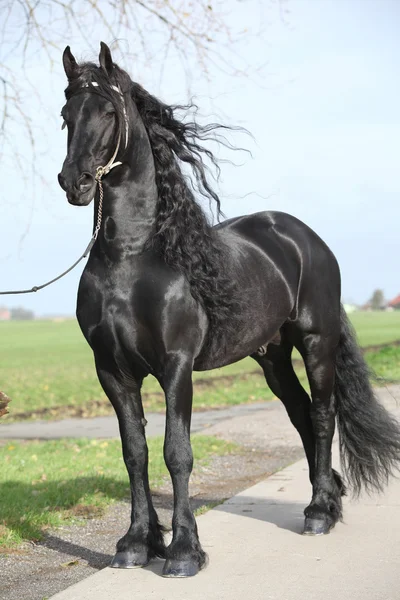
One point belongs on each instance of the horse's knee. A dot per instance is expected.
(178, 456)
(136, 457)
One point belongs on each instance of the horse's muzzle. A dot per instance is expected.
(81, 192)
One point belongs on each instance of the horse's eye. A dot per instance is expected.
(110, 114)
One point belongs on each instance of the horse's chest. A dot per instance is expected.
(110, 319)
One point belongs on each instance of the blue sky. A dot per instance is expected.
(326, 124)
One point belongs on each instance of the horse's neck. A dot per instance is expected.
(130, 202)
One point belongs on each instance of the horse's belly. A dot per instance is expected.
(257, 325)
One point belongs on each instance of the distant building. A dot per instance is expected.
(5, 314)
(395, 303)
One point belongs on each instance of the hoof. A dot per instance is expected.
(316, 526)
(180, 568)
(128, 560)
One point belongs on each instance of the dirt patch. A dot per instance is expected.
(86, 512)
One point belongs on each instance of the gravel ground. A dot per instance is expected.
(70, 554)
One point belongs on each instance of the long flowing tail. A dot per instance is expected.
(369, 436)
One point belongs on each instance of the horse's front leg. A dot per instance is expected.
(144, 538)
(185, 556)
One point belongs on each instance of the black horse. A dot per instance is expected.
(165, 293)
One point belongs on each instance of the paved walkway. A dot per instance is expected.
(256, 552)
(107, 427)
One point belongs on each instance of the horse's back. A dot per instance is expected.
(277, 243)
(271, 228)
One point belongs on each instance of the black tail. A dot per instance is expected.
(369, 435)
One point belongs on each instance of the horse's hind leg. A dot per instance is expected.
(144, 538)
(325, 509)
(282, 380)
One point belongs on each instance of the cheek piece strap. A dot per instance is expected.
(101, 171)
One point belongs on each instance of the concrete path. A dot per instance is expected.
(107, 427)
(256, 552)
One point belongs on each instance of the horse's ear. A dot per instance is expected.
(105, 59)
(70, 65)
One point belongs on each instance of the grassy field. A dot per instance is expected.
(47, 369)
(46, 484)
(376, 327)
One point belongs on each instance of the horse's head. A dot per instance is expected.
(92, 114)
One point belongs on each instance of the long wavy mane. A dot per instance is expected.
(182, 234)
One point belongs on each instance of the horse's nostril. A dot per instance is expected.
(85, 182)
(62, 182)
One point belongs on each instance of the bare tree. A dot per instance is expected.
(194, 30)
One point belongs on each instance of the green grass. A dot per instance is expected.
(48, 484)
(385, 363)
(202, 510)
(47, 366)
(376, 327)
